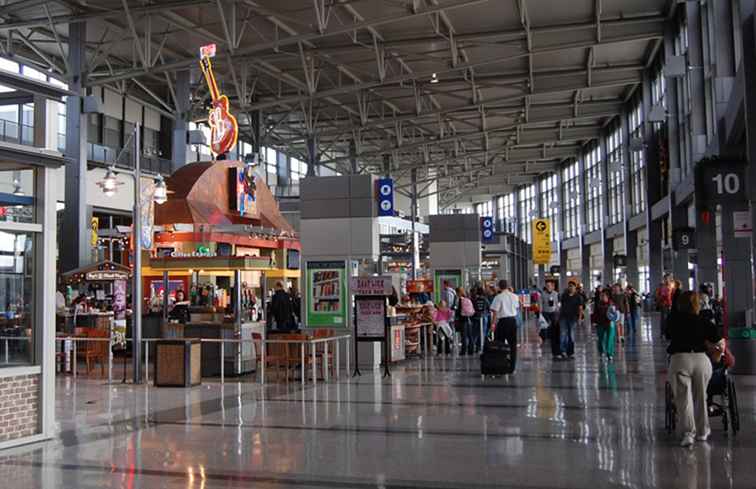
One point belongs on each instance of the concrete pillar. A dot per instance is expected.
(607, 274)
(680, 258)
(706, 247)
(631, 250)
(180, 126)
(585, 264)
(75, 247)
(749, 68)
(653, 190)
(736, 269)
(283, 173)
(353, 168)
(312, 155)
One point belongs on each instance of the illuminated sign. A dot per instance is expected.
(106, 275)
(223, 126)
(244, 191)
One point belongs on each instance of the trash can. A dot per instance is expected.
(178, 363)
(742, 344)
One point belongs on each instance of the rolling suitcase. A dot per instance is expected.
(496, 359)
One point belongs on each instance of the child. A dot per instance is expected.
(444, 332)
(603, 312)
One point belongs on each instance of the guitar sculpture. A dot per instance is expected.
(223, 126)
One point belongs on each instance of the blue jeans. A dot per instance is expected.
(470, 334)
(567, 335)
(631, 319)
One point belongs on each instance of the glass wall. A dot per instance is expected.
(550, 204)
(594, 189)
(571, 199)
(527, 206)
(506, 212)
(637, 161)
(484, 209)
(616, 175)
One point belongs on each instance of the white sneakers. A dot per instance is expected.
(704, 437)
(687, 441)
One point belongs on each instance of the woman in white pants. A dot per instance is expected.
(690, 368)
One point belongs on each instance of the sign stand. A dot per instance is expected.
(363, 304)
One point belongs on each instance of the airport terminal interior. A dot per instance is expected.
(377, 244)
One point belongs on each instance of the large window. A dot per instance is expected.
(550, 204)
(484, 209)
(298, 169)
(17, 267)
(506, 212)
(637, 162)
(616, 175)
(527, 206)
(594, 189)
(571, 199)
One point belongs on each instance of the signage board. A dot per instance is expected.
(147, 213)
(95, 228)
(684, 238)
(371, 317)
(385, 195)
(106, 275)
(720, 182)
(208, 50)
(419, 285)
(741, 224)
(541, 246)
(243, 191)
(555, 270)
(326, 294)
(377, 286)
(619, 261)
(487, 229)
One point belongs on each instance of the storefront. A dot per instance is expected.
(221, 243)
(27, 293)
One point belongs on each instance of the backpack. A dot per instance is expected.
(467, 307)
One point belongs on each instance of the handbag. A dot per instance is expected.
(542, 322)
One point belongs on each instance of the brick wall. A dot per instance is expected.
(19, 407)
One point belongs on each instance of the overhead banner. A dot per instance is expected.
(541, 241)
(326, 294)
(385, 191)
(487, 229)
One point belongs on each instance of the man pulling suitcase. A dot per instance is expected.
(504, 310)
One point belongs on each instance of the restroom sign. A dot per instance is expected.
(385, 195)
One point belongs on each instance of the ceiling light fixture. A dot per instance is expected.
(434, 78)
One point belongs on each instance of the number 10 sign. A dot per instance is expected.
(720, 182)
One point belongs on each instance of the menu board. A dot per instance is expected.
(371, 317)
(326, 293)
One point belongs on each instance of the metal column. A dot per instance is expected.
(415, 249)
(75, 247)
(179, 143)
(312, 155)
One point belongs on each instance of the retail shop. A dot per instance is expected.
(27, 293)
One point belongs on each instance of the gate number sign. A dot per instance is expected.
(720, 182)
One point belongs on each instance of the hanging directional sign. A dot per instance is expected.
(487, 229)
(385, 191)
(720, 182)
(541, 241)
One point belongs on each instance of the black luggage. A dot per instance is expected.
(496, 359)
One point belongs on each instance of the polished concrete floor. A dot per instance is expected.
(433, 424)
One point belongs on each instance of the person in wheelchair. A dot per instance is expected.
(720, 364)
(690, 369)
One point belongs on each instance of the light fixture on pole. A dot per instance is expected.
(109, 184)
(160, 194)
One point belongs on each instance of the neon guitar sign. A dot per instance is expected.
(223, 126)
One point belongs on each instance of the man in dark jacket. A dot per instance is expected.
(281, 309)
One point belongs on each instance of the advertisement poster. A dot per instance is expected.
(453, 276)
(371, 314)
(147, 212)
(118, 335)
(326, 294)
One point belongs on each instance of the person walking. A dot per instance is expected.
(550, 311)
(504, 310)
(620, 302)
(281, 309)
(570, 311)
(466, 313)
(633, 311)
(689, 367)
(482, 318)
(603, 311)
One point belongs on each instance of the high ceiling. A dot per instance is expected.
(481, 94)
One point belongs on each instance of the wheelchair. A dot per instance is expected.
(722, 401)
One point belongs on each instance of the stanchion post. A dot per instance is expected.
(302, 354)
(222, 360)
(110, 360)
(75, 361)
(337, 345)
(314, 365)
(325, 361)
(147, 362)
(7, 357)
(262, 360)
